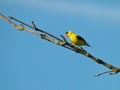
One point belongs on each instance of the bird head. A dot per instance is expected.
(68, 33)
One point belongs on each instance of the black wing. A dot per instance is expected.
(80, 38)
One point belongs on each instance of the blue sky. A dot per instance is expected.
(30, 63)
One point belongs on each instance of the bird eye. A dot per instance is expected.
(66, 33)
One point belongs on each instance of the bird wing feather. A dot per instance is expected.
(80, 38)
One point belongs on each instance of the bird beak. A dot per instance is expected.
(65, 35)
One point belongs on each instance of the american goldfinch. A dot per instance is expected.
(76, 39)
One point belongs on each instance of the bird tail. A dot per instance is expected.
(87, 45)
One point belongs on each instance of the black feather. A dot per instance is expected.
(80, 38)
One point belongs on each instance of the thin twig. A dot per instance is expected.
(37, 29)
(104, 73)
(33, 24)
(5, 18)
(64, 38)
(51, 38)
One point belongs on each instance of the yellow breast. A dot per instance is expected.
(75, 40)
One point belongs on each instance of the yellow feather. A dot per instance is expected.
(76, 39)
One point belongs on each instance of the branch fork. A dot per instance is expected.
(61, 42)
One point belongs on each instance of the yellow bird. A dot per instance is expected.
(76, 39)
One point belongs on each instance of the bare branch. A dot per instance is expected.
(33, 24)
(110, 72)
(61, 42)
(5, 18)
(37, 29)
